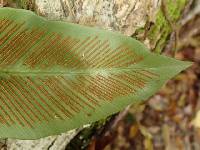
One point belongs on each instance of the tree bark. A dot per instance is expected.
(150, 21)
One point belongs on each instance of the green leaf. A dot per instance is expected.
(57, 76)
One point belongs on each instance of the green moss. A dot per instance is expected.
(160, 31)
(25, 4)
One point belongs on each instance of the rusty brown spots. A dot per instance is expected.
(5, 24)
(18, 104)
(56, 102)
(48, 109)
(26, 96)
(26, 99)
(74, 93)
(12, 106)
(10, 32)
(61, 95)
(80, 89)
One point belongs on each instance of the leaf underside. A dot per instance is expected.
(57, 76)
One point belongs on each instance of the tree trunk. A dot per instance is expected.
(150, 21)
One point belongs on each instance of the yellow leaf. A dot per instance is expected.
(196, 120)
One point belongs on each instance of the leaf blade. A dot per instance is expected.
(58, 76)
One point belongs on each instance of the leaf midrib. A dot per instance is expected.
(85, 71)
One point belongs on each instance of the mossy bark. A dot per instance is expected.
(150, 21)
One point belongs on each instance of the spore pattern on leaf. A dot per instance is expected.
(25, 99)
